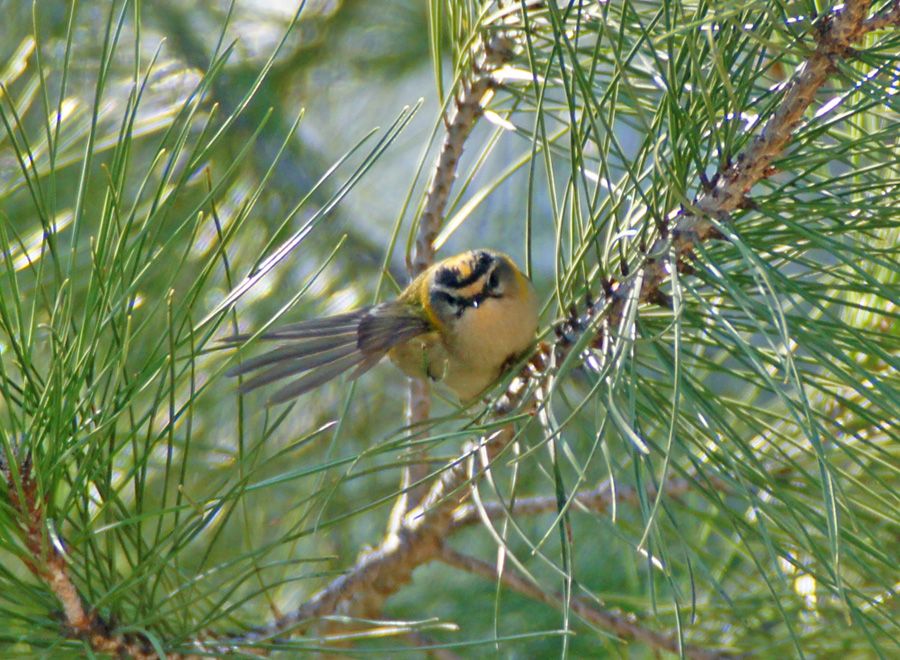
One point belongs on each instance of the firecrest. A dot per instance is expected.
(462, 322)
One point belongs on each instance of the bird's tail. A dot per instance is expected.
(321, 349)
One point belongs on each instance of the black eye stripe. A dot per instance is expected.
(448, 298)
(459, 303)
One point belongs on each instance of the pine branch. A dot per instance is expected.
(46, 561)
(884, 20)
(839, 30)
(624, 626)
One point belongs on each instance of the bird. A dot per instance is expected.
(463, 321)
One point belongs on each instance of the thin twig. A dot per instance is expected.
(624, 626)
(467, 109)
(594, 500)
(884, 20)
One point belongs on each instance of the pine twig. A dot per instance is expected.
(839, 31)
(595, 500)
(47, 562)
(884, 20)
(623, 625)
(467, 109)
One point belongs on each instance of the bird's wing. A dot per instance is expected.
(321, 349)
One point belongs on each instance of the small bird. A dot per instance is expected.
(462, 321)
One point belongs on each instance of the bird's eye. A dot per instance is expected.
(493, 281)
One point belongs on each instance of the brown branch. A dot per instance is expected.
(839, 31)
(468, 109)
(884, 20)
(625, 626)
(47, 563)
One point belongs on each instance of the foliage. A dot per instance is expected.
(157, 196)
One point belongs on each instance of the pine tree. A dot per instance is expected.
(699, 456)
